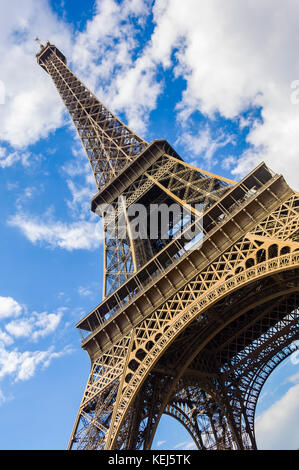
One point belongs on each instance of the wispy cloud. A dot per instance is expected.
(9, 158)
(32, 107)
(210, 41)
(18, 327)
(160, 443)
(82, 235)
(85, 291)
(105, 53)
(204, 145)
(277, 427)
(185, 445)
(37, 325)
(82, 231)
(23, 365)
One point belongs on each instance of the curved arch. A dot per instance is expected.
(195, 413)
(197, 308)
(199, 421)
(204, 432)
(264, 373)
(264, 299)
(178, 414)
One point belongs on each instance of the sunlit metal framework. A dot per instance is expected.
(191, 329)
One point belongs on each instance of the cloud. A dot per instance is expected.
(23, 365)
(2, 398)
(123, 79)
(81, 235)
(82, 231)
(36, 325)
(33, 325)
(203, 144)
(8, 159)
(16, 325)
(84, 291)
(102, 54)
(294, 378)
(5, 339)
(19, 328)
(190, 445)
(32, 106)
(9, 308)
(160, 443)
(81, 195)
(45, 323)
(185, 445)
(277, 427)
(233, 58)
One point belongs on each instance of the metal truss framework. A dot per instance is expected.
(188, 330)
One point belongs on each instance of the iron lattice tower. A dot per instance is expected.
(192, 333)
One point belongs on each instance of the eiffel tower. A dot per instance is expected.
(190, 328)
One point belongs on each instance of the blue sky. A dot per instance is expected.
(214, 81)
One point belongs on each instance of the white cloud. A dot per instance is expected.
(185, 445)
(84, 234)
(32, 106)
(277, 428)
(83, 231)
(33, 325)
(160, 443)
(19, 328)
(294, 378)
(102, 53)
(204, 144)
(45, 323)
(81, 195)
(126, 84)
(36, 325)
(5, 338)
(8, 159)
(9, 308)
(234, 56)
(84, 291)
(2, 398)
(23, 365)
(190, 445)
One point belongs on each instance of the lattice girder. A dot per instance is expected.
(179, 183)
(109, 144)
(141, 369)
(239, 375)
(230, 270)
(173, 332)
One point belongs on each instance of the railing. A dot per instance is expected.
(149, 278)
(285, 261)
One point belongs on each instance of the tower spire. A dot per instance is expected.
(110, 145)
(126, 167)
(39, 42)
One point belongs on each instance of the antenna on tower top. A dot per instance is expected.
(39, 42)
